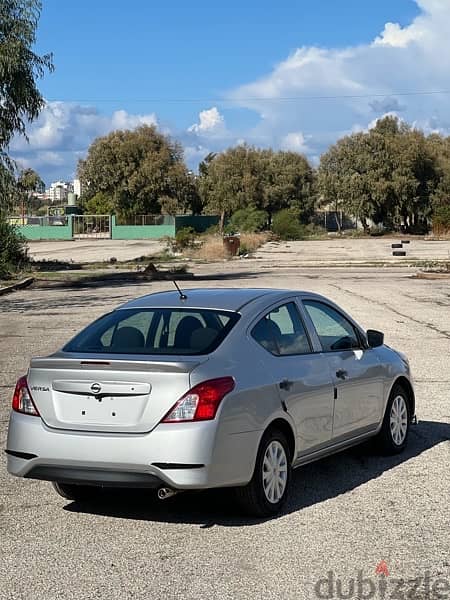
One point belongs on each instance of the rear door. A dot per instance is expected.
(356, 371)
(303, 378)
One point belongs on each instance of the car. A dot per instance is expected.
(208, 388)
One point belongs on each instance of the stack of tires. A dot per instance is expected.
(397, 249)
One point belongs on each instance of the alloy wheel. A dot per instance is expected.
(399, 420)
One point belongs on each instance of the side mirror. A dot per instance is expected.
(375, 338)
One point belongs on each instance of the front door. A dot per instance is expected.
(356, 372)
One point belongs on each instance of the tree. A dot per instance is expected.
(288, 181)
(27, 182)
(100, 204)
(20, 67)
(439, 148)
(244, 177)
(21, 102)
(386, 175)
(136, 169)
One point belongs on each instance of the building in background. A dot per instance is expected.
(58, 191)
(77, 187)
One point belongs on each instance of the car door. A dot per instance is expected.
(356, 371)
(303, 378)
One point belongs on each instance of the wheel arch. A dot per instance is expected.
(407, 386)
(285, 428)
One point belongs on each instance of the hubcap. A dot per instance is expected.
(274, 472)
(399, 420)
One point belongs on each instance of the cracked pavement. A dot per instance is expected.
(346, 513)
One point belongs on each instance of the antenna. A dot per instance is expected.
(182, 296)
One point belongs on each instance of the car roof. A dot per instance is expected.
(216, 298)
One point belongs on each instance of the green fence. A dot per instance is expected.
(47, 232)
(140, 232)
(199, 223)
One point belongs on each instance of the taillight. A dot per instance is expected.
(201, 402)
(22, 400)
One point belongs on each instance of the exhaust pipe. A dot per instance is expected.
(165, 492)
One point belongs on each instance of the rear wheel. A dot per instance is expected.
(77, 493)
(267, 491)
(393, 435)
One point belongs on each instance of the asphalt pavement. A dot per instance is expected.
(346, 514)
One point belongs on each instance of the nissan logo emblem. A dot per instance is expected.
(96, 388)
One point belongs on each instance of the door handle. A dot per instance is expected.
(341, 374)
(286, 384)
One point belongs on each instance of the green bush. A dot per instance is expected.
(287, 226)
(100, 204)
(247, 220)
(185, 237)
(316, 231)
(13, 250)
(441, 218)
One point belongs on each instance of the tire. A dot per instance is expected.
(260, 499)
(76, 493)
(392, 439)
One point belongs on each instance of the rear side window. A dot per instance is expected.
(281, 332)
(334, 330)
(155, 331)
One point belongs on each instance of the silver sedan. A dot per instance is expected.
(209, 388)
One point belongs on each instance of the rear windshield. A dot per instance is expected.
(155, 331)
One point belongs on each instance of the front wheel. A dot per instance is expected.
(393, 435)
(267, 491)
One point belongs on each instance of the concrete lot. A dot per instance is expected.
(94, 250)
(346, 513)
(333, 251)
(347, 250)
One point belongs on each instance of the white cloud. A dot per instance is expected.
(294, 141)
(123, 120)
(305, 103)
(211, 122)
(324, 93)
(62, 134)
(396, 36)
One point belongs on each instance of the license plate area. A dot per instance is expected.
(105, 410)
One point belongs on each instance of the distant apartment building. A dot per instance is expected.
(59, 191)
(77, 187)
(43, 197)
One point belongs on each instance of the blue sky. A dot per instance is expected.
(120, 58)
(216, 74)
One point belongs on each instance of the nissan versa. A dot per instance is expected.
(208, 388)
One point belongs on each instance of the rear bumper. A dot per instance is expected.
(97, 477)
(178, 455)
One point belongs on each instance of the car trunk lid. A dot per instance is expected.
(108, 395)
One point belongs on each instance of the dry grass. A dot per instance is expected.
(441, 233)
(252, 241)
(212, 248)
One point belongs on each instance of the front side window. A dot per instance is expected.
(155, 331)
(335, 332)
(281, 332)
